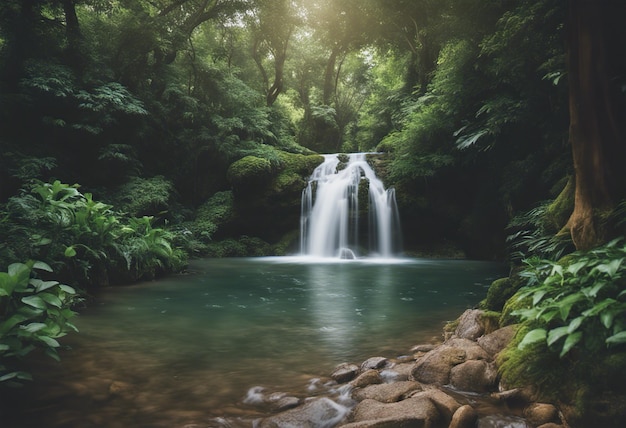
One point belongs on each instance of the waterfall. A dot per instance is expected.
(331, 220)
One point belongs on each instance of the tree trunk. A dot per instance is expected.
(73, 34)
(595, 135)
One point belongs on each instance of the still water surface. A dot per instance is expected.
(187, 348)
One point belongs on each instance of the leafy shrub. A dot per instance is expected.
(84, 239)
(34, 313)
(577, 302)
(144, 196)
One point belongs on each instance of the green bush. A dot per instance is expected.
(577, 302)
(83, 239)
(144, 196)
(34, 313)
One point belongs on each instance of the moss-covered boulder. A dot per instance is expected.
(268, 196)
(250, 172)
(499, 292)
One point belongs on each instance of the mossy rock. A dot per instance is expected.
(249, 173)
(300, 164)
(499, 292)
(217, 211)
(558, 212)
(288, 181)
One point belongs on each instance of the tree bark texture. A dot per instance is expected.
(596, 120)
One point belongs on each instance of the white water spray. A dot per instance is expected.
(331, 223)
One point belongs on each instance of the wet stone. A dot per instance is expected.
(374, 363)
(345, 372)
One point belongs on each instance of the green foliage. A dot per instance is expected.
(34, 313)
(83, 238)
(216, 212)
(244, 246)
(144, 196)
(533, 238)
(579, 302)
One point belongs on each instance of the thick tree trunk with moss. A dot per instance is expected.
(596, 119)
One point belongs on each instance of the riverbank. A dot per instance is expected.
(450, 384)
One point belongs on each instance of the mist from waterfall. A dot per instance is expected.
(333, 219)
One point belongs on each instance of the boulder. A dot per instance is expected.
(541, 413)
(445, 404)
(434, 367)
(314, 413)
(345, 372)
(412, 412)
(369, 377)
(285, 403)
(397, 372)
(474, 375)
(374, 363)
(495, 342)
(473, 351)
(387, 392)
(470, 325)
(464, 417)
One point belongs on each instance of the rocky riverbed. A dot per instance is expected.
(450, 384)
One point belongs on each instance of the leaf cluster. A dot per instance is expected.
(34, 313)
(579, 302)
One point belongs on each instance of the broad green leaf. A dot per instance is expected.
(599, 307)
(617, 339)
(593, 291)
(42, 285)
(533, 336)
(7, 325)
(548, 314)
(555, 334)
(34, 326)
(610, 268)
(20, 272)
(606, 318)
(51, 299)
(4, 347)
(574, 324)
(557, 270)
(8, 376)
(575, 267)
(538, 296)
(570, 342)
(67, 289)
(70, 252)
(567, 303)
(7, 284)
(42, 266)
(35, 302)
(49, 341)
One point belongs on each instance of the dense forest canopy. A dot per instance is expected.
(470, 98)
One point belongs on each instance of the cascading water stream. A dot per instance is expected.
(331, 217)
